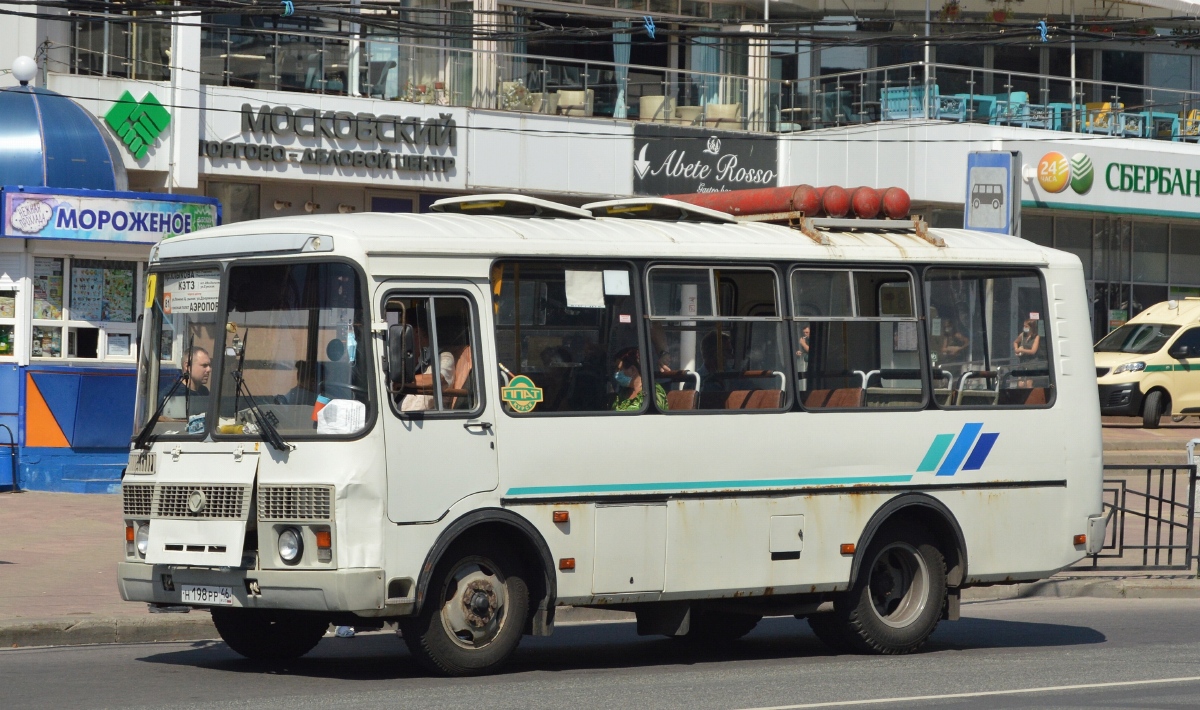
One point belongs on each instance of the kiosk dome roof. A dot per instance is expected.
(48, 140)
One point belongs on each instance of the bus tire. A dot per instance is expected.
(268, 634)
(896, 601)
(474, 613)
(710, 627)
(1152, 410)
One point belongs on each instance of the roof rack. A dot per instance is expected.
(657, 208)
(508, 205)
(815, 227)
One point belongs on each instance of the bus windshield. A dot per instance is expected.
(1137, 339)
(291, 343)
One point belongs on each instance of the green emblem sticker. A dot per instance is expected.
(521, 394)
(138, 124)
(1082, 173)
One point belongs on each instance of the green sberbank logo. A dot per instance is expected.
(1128, 177)
(138, 123)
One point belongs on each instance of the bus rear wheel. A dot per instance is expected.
(474, 614)
(896, 602)
(268, 634)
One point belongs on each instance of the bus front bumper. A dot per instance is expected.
(1123, 400)
(355, 590)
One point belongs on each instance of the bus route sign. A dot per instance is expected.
(521, 394)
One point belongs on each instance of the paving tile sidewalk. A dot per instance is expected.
(59, 551)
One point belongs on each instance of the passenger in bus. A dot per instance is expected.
(301, 393)
(953, 341)
(802, 351)
(628, 377)
(1027, 348)
(423, 402)
(199, 370)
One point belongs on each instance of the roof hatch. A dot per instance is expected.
(657, 208)
(508, 205)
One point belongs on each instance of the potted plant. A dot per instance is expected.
(950, 11)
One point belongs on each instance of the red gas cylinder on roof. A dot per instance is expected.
(835, 201)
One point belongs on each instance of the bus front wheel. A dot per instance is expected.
(474, 613)
(268, 634)
(896, 601)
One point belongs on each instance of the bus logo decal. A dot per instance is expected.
(968, 441)
(521, 394)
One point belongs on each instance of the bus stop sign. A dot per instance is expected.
(993, 200)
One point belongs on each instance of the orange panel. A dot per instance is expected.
(41, 428)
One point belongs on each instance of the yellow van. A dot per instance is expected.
(1151, 365)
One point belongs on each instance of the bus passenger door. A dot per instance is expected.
(440, 439)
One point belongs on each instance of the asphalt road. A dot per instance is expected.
(1059, 653)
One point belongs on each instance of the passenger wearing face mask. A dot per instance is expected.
(1028, 343)
(628, 378)
(1027, 347)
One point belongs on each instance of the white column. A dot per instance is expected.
(758, 73)
(484, 64)
(185, 103)
(21, 38)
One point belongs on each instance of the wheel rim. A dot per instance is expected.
(475, 602)
(899, 584)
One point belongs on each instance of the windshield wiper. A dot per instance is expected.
(143, 438)
(266, 427)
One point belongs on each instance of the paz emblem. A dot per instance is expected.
(197, 501)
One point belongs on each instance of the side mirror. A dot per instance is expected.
(402, 359)
(137, 339)
(1179, 351)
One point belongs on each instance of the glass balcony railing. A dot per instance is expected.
(438, 74)
(945, 92)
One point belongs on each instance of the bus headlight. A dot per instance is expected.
(291, 545)
(141, 539)
(1129, 367)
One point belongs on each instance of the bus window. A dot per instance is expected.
(183, 320)
(295, 349)
(977, 319)
(562, 325)
(718, 338)
(856, 336)
(440, 325)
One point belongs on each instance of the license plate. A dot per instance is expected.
(217, 596)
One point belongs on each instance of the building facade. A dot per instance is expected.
(391, 109)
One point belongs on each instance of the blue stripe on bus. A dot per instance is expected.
(937, 449)
(962, 445)
(980, 453)
(666, 487)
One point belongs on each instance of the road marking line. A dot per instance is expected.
(980, 694)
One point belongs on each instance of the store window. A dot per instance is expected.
(8, 321)
(1075, 235)
(239, 201)
(1185, 256)
(1039, 230)
(83, 308)
(1149, 259)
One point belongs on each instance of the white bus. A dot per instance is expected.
(459, 422)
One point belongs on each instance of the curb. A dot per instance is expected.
(198, 627)
(1095, 587)
(131, 629)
